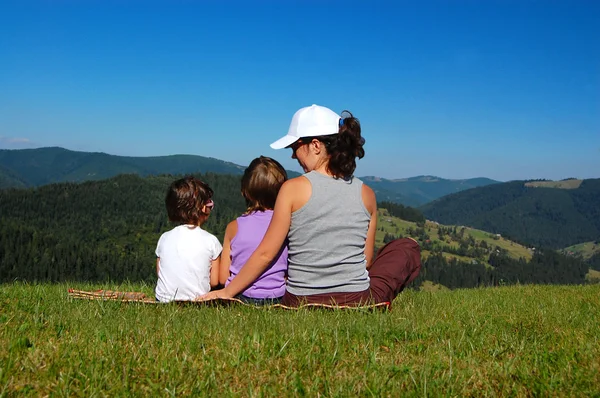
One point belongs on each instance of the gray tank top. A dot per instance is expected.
(326, 252)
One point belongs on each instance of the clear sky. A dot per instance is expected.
(455, 88)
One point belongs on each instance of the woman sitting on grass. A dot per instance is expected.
(329, 218)
(187, 261)
(261, 182)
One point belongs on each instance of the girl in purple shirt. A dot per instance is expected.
(260, 186)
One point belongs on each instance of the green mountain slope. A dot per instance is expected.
(457, 256)
(460, 243)
(549, 217)
(9, 179)
(42, 166)
(416, 191)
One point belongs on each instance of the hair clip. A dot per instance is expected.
(341, 122)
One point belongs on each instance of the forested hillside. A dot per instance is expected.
(8, 179)
(36, 167)
(107, 230)
(100, 230)
(543, 217)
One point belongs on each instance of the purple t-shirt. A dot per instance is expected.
(251, 230)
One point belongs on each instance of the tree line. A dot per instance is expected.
(546, 267)
(404, 212)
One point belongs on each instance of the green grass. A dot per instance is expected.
(509, 341)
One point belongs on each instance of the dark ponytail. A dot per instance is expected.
(343, 148)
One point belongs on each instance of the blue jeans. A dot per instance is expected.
(258, 302)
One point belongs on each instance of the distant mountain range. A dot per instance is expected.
(416, 191)
(541, 213)
(35, 167)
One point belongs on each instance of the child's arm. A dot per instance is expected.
(214, 271)
(230, 233)
(157, 265)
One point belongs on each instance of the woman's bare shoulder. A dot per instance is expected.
(296, 183)
(296, 192)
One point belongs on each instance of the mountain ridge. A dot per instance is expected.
(418, 190)
(36, 167)
(48, 165)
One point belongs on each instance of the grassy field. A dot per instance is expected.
(564, 184)
(509, 341)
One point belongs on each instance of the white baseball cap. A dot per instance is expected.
(311, 121)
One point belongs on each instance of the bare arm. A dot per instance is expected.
(268, 248)
(230, 233)
(214, 271)
(157, 265)
(370, 202)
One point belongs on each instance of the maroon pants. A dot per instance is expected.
(396, 265)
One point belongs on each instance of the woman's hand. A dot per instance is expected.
(215, 294)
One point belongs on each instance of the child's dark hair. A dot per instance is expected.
(343, 148)
(261, 182)
(185, 200)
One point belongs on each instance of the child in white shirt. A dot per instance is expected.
(188, 257)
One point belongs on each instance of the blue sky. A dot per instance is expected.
(456, 89)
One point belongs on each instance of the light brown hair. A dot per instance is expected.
(261, 182)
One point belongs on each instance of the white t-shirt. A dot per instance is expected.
(185, 254)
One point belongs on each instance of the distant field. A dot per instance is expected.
(396, 226)
(565, 184)
(392, 225)
(509, 341)
(593, 276)
(516, 250)
(429, 286)
(586, 250)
